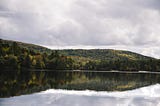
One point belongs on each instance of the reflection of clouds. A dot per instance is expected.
(146, 96)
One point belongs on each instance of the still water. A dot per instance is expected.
(145, 96)
(14, 83)
(77, 88)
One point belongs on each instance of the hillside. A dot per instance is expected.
(107, 54)
(28, 46)
(17, 55)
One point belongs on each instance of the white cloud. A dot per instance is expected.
(59, 23)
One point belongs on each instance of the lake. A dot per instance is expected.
(61, 88)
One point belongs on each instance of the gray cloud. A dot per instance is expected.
(122, 24)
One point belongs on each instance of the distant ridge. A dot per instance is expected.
(18, 55)
(28, 46)
(109, 54)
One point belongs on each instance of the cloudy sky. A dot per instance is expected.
(119, 24)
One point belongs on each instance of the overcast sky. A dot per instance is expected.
(119, 24)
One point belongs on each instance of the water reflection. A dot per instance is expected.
(25, 82)
(146, 96)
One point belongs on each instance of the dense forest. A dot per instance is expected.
(17, 55)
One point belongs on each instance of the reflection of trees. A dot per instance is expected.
(24, 82)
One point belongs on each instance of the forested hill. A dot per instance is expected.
(99, 54)
(17, 55)
(28, 46)
(108, 54)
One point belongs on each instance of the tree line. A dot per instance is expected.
(13, 56)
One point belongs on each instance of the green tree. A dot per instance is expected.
(28, 61)
(13, 62)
